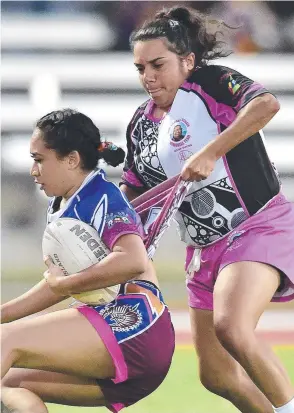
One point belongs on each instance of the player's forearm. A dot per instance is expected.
(249, 121)
(38, 298)
(118, 267)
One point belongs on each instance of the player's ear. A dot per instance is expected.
(74, 160)
(190, 61)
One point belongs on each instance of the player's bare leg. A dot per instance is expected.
(242, 292)
(26, 391)
(220, 373)
(63, 341)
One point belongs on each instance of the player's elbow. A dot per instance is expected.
(139, 263)
(270, 104)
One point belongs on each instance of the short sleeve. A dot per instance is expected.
(228, 86)
(130, 176)
(120, 217)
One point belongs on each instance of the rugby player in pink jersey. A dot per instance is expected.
(237, 224)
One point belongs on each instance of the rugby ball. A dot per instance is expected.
(74, 246)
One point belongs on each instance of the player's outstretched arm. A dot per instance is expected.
(38, 298)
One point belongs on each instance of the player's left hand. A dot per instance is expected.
(54, 277)
(199, 166)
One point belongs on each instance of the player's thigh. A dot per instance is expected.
(213, 358)
(57, 388)
(63, 341)
(242, 292)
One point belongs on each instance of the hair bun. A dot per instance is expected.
(113, 155)
(180, 14)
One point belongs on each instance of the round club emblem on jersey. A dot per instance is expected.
(178, 131)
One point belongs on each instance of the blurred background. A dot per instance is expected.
(58, 54)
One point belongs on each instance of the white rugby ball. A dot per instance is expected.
(74, 246)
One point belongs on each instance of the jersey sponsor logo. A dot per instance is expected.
(178, 132)
(122, 318)
(233, 85)
(119, 218)
(184, 155)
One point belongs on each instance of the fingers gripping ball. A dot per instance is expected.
(75, 246)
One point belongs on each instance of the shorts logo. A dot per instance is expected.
(122, 318)
(232, 237)
(120, 217)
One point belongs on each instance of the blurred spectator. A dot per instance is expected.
(285, 12)
(258, 28)
(263, 26)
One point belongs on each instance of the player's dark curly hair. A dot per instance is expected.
(186, 30)
(67, 130)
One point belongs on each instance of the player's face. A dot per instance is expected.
(161, 71)
(50, 172)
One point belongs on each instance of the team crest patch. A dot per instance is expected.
(233, 85)
(122, 318)
(119, 218)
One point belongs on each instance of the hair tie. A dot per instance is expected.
(106, 145)
(173, 23)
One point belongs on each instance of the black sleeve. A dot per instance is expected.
(130, 176)
(228, 86)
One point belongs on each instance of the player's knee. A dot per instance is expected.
(229, 333)
(215, 382)
(8, 342)
(11, 379)
(15, 402)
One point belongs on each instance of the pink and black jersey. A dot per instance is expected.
(243, 181)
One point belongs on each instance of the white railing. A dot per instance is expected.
(45, 76)
(55, 32)
(117, 71)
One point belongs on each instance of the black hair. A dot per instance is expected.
(187, 31)
(67, 130)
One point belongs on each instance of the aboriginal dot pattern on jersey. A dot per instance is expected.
(147, 163)
(210, 212)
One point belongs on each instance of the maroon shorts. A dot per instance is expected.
(142, 356)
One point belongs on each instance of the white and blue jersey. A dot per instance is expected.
(102, 205)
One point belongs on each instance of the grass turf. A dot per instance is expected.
(181, 392)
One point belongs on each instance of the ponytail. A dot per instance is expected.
(113, 155)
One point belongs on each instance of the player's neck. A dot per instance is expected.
(75, 187)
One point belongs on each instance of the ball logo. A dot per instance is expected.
(57, 262)
(93, 245)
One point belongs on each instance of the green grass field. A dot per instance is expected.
(182, 392)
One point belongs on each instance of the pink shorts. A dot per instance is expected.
(266, 237)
